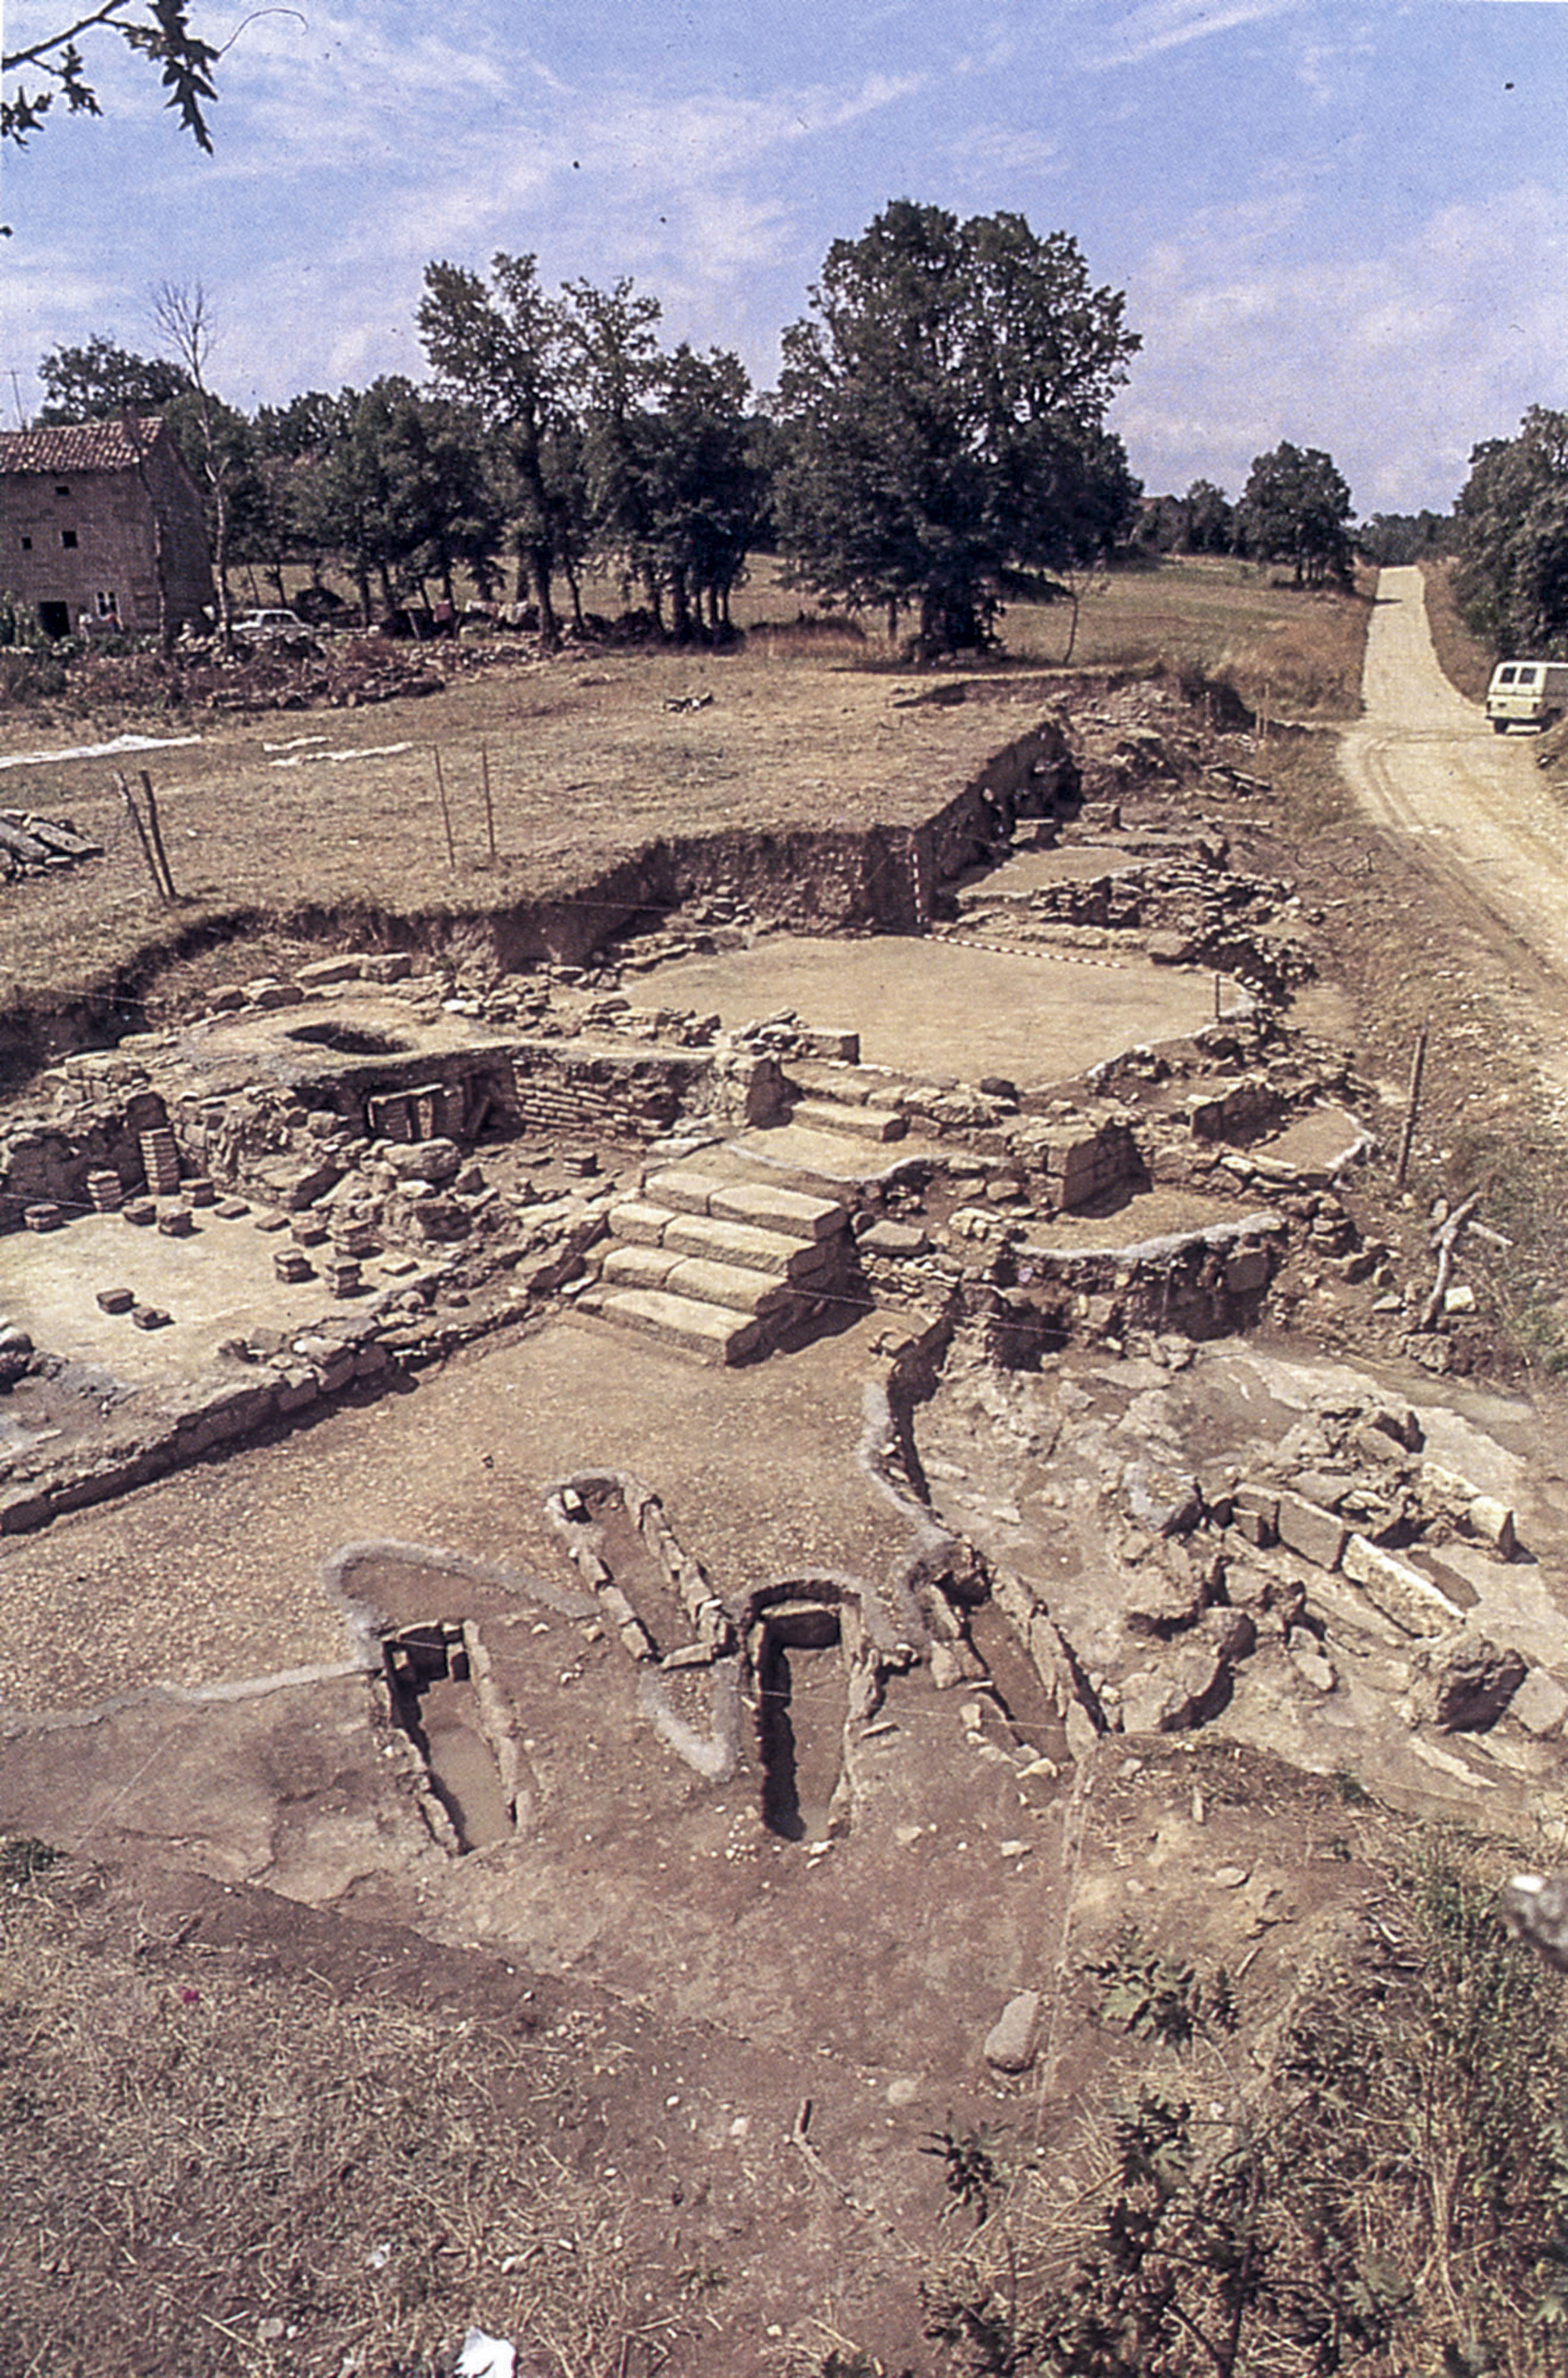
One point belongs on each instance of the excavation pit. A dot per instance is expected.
(348, 1040)
(800, 1714)
(430, 1688)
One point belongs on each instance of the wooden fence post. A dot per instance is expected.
(445, 812)
(1412, 1107)
(142, 834)
(489, 808)
(157, 832)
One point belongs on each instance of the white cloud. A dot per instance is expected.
(1397, 361)
(1163, 25)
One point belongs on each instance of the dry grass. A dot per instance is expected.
(1211, 613)
(1299, 653)
(589, 764)
(1464, 659)
(212, 2170)
(1378, 2162)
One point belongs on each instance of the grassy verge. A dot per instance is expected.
(1294, 652)
(1484, 1125)
(1465, 661)
(221, 2166)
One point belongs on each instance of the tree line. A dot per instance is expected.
(937, 445)
(1294, 508)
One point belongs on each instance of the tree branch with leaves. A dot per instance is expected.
(159, 31)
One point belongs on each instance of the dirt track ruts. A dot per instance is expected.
(1472, 813)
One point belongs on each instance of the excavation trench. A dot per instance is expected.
(800, 1686)
(880, 877)
(434, 1700)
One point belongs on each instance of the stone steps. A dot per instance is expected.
(716, 1263)
(861, 1122)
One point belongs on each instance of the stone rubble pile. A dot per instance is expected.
(1152, 1591)
(31, 844)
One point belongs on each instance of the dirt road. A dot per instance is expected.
(1470, 810)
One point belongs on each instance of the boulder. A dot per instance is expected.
(423, 1159)
(1177, 1694)
(1165, 1593)
(1254, 1514)
(1540, 1703)
(1160, 1499)
(1494, 1522)
(1467, 1684)
(1013, 2039)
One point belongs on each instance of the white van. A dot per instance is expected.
(1533, 692)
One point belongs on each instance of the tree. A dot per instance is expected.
(159, 31)
(1513, 538)
(509, 351)
(621, 370)
(395, 480)
(944, 402)
(1393, 540)
(182, 315)
(1208, 522)
(100, 381)
(1296, 508)
(703, 489)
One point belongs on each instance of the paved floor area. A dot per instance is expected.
(217, 1283)
(937, 1010)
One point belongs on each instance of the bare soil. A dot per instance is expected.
(654, 2084)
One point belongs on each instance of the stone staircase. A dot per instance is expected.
(845, 1098)
(720, 1266)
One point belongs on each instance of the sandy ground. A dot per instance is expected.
(214, 1573)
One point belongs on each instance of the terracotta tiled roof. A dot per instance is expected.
(83, 446)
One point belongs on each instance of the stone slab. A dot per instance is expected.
(752, 1250)
(1401, 1593)
(755, 1292)
(639, 1222)
(630, 1265)
(682, 1191)
(860, 1122)
(788, 1211)
(1306, 1528)
(706, 1329)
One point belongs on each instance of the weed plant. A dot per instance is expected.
(1393, 2199)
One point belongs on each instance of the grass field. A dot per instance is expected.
(1229, 618)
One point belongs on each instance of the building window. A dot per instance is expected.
(62, 491)
(27, 545)
(109, 606)
(68, 539)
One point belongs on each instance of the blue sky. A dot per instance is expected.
(1345, 224)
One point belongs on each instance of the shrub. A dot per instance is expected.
(1393, 2198)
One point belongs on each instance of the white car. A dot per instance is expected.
(262, 624)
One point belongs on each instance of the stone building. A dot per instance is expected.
(102, 522)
